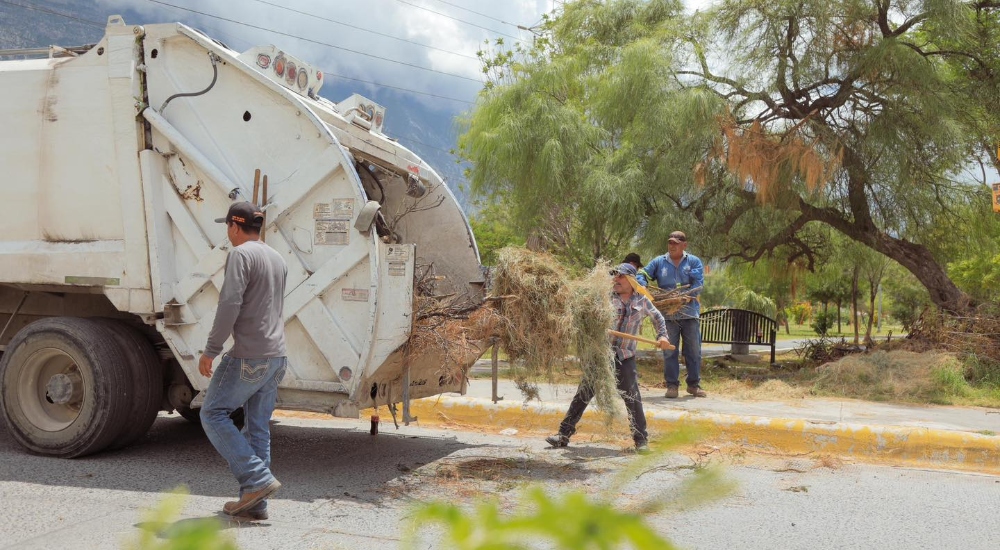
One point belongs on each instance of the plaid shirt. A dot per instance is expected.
(629, 320)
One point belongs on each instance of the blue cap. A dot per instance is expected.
(625, 269)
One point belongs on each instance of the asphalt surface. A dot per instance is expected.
(808, 473)
(346, 489)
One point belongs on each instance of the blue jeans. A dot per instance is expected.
(688, 330)
(253, 385)
(628, 388)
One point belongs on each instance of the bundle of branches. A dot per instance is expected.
(977, 333)
(458, 337)
(456, 329)
(670, 300)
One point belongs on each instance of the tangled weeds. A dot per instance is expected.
(458, 335)
(452, 329)
(977, 332)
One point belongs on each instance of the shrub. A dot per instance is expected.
(981, 371)
(823, 322)
(800, 312)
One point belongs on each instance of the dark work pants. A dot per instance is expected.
(628, 385)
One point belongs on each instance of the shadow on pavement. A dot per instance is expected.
(584, 452)
(330, 463)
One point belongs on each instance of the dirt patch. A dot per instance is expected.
(511, 469)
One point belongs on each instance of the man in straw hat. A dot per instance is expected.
(680, 270)
(632, 304)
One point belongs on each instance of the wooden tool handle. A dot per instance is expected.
(639, 339)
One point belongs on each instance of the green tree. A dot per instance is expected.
(494, 230)
(872, 270)
(840, 112)
(749, 123)
(975, 250)
(907, 298)
(565, 133)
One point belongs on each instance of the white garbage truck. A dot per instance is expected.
(115, 160)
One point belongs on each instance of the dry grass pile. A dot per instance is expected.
(545, 315)
(893, 376)
(592, 315)
(535, 325)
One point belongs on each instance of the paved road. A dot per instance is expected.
(346, 489)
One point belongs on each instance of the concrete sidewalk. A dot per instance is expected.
(934, 436)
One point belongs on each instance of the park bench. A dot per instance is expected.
(739, 327)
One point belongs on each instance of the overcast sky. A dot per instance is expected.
(426, 46)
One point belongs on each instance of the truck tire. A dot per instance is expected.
(147, 380)
(65, 387)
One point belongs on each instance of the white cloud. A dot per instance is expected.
(344, 44)
(371, 40)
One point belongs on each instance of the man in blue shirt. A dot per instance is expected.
(678, 269)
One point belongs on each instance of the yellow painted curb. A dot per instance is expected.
(888, 444)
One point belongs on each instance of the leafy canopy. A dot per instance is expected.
(746, 126)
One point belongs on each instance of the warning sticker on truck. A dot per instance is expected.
(398, 253)
(322, 211)
(397, 269)
(342, 209)
(339, 209)
(332, 232)
(354, 294)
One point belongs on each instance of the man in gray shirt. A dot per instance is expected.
(250, 309)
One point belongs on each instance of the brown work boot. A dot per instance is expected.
(249, 500)
(557, 440)
(246, 516)
(671, 392)
(696, 391)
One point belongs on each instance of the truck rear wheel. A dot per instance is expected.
(147, 380)
(65, 386)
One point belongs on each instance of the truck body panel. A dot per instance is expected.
(118, 161)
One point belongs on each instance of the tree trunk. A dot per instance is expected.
(914, 257)
(872, 294)
(854, 305)
(839, 306)
(919, 261)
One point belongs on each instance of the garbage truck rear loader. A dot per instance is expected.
(117, 158)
